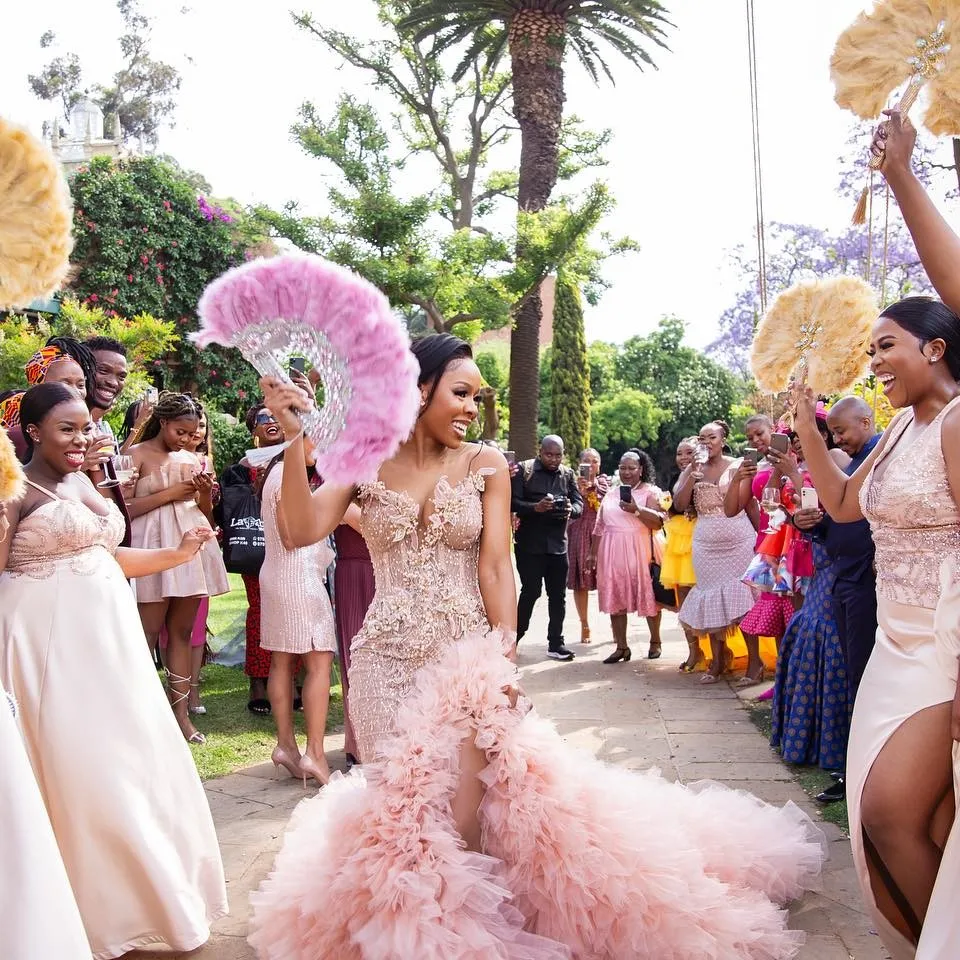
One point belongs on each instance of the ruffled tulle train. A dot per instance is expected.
(581, 860)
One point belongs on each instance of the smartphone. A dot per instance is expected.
(809, 499)
(298, 365)
(152, 396)
(751, 456)
(780, 442)
(626, 493)
(511, 456)
(584, 471)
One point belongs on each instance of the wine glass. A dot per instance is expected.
(123, 467)
(701, 455)
(101, 437)
(770, 503)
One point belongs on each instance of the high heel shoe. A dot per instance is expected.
(748, 680)
(199, 709)
(656, 649)
(177, 697)
(309, 768)
(621, 653)
(584, 633)
(281, 758)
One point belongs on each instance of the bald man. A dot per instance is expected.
(850, 546)
(545, 498)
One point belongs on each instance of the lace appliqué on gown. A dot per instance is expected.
(63, 532)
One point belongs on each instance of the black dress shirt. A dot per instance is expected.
(543, 532)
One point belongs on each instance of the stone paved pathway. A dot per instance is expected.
(638, 714)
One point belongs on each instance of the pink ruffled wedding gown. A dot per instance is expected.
(580, 860)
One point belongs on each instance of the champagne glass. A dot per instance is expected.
(701, 455)
(102, 436)
(123, 466)
(770, 502)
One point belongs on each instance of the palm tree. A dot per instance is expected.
(537, 34)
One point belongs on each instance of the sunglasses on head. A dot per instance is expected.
(263, 418)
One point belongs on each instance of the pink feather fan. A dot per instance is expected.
(297, 305)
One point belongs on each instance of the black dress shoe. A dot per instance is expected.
(837, 775)
(834, 793)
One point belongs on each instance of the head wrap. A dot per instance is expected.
(10, 410)
(37, 366)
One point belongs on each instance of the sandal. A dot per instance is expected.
(709, 678)
(260, 706)
(751, 681)
(199, 709)
(178, 696)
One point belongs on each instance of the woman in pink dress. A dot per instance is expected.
(172, 495)
(582, 574)
(623, 548)
(296, 625)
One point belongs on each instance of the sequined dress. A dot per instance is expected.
(295, 611)
(119, 783)
(916, 529)
(577, 859)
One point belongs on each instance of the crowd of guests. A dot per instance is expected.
(733, 545)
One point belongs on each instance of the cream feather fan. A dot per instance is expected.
(11, 473)
(900, 41)
(822, 325)
(36, 219)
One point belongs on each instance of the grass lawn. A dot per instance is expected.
(235, 737)
(812, 779)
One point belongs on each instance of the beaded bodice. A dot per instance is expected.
(913, 516)
(63, 531)
(708, 498)
(427, 590)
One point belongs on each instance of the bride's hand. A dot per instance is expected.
(285, 401)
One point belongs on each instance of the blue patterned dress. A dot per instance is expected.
(811, 715)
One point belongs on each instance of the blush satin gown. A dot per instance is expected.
(916, 531)
(118, 781)
(579, 859)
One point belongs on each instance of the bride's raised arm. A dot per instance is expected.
(310, 516)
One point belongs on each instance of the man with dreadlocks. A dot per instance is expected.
(60, 360)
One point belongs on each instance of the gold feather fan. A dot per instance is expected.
(916, 42)
(821, 327)
(11, 479)
(36, 219)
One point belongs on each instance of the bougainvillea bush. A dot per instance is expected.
(147, 243)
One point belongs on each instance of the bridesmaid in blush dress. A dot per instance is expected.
(903, 759)
(118, 781)
(296, 625)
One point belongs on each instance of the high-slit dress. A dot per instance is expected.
(916, 530)
(578, 859)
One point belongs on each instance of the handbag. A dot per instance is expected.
(243, 544)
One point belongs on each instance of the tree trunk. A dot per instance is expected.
(536, 51)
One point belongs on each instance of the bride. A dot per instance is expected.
(472, 830)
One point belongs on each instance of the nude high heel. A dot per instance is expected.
(281, 758)
(309, 768)
(178, 696)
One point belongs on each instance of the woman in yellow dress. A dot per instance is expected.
(676, 570)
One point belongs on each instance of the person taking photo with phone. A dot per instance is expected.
(545, 497)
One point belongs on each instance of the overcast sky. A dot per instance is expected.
(680, 162)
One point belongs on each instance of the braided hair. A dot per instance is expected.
(170, 406)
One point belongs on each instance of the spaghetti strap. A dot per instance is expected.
(36, 486)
